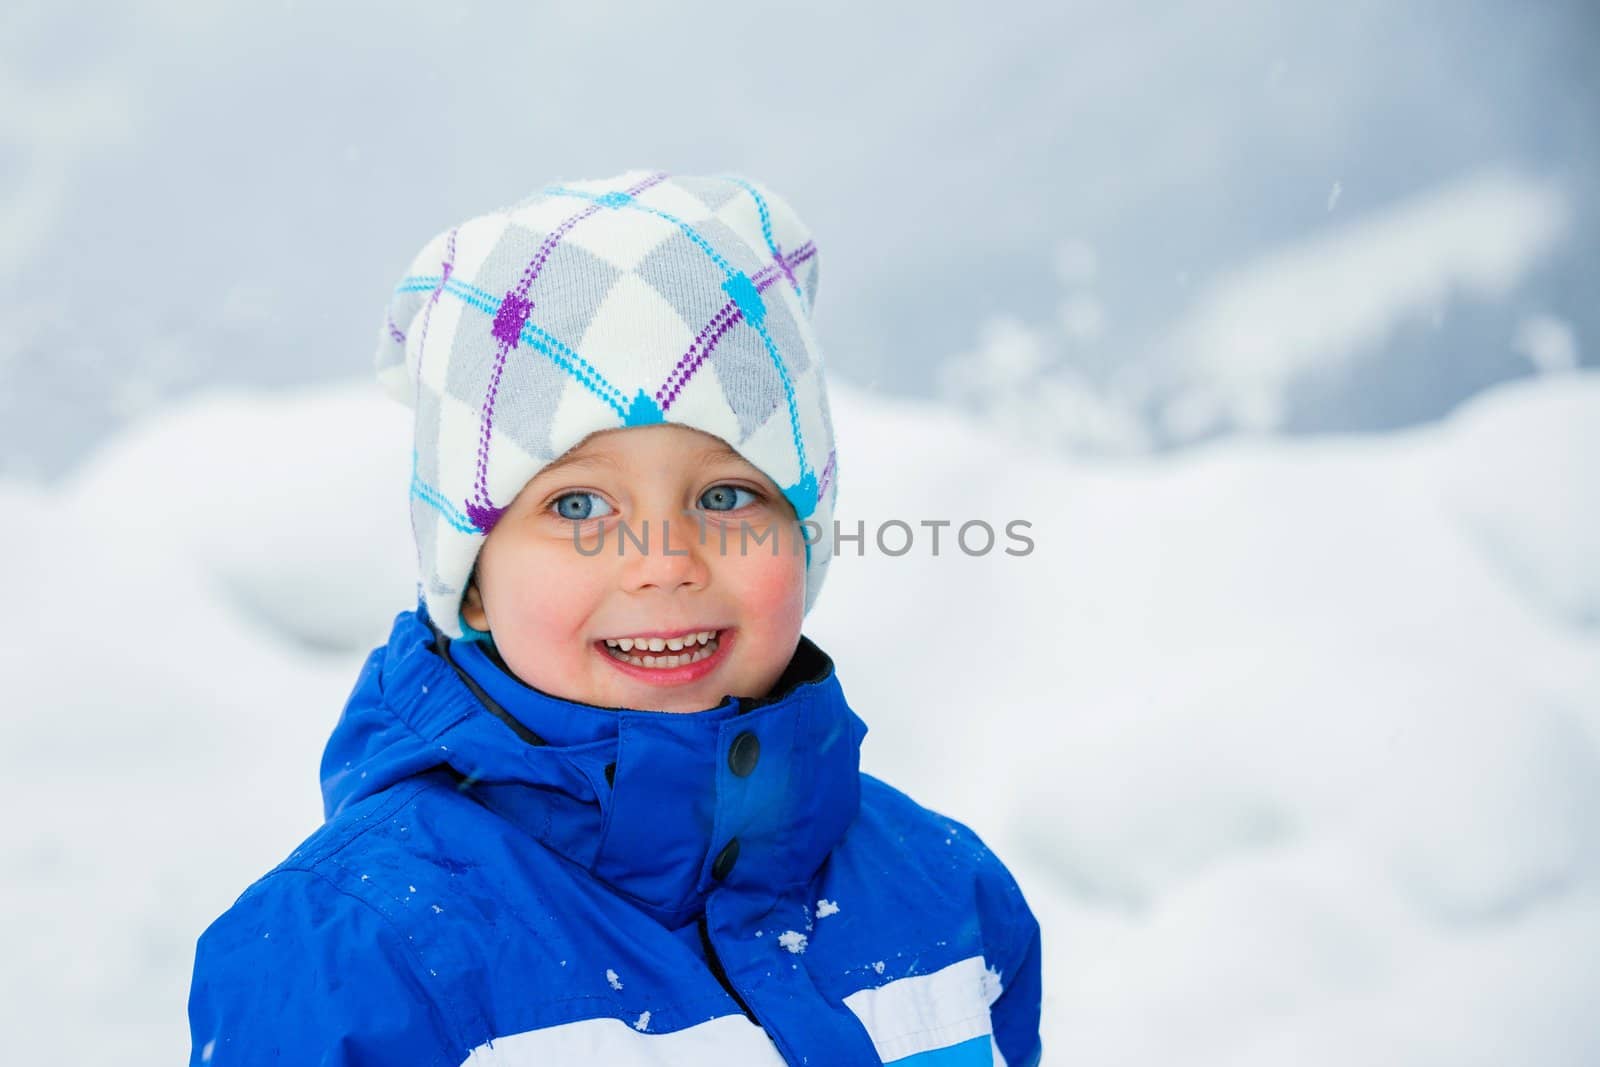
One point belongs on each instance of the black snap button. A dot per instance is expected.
(723, 864)
(743, 754)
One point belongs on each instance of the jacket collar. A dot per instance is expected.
(645, 801)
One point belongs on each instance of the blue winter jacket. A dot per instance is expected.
(506, 878)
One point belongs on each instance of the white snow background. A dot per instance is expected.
(1294, 744)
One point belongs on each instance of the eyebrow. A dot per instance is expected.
(720, 450)
(588, 459)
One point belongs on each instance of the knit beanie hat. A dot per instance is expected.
(592, 305)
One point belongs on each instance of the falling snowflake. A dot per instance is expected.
(793, 940)
(642, 1023)
(878, 966)
(611, 977)
(826, 908)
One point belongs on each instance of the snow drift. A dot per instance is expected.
(1295, 745)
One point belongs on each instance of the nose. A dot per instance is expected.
(664, 552)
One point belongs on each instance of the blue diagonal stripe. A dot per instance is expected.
(609, 200)
(536, 337)
(788, 395)
(581, 369)
(766, 222)
(615, 201)
(435, 499)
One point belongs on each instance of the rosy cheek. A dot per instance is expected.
(769, 587)
(551, 596)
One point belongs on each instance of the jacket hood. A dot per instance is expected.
(655, 804)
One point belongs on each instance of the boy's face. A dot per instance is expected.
(558, 609)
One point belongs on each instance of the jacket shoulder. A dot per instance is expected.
(898, 826)
(346, 830)
(298, 970)
(924, 861)
(331, 923)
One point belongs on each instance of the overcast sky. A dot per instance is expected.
(193, 196)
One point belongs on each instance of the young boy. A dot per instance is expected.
(598, 800)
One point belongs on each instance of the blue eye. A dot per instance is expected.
(579, 506)
(725, 498)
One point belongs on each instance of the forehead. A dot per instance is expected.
(634, 446)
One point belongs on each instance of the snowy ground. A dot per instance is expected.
(1295, 746)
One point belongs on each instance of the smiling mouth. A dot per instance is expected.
(659, 653)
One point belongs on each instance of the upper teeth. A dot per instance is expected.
(657, 644)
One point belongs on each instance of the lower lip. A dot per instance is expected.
(682, 674)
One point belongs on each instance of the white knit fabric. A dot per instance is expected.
(591, 305)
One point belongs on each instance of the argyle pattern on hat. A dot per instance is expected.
(591, 305)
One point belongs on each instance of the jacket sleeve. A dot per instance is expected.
(1014, 1017)
(299, 972)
